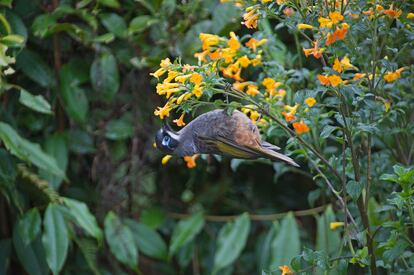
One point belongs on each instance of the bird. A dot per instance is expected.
(221, 133)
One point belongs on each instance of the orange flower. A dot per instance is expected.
(358, 76)
(323, 79)
(393, 13)
(215, 55)
(392, 76)
(342, 65)
(336, 17)
(300, 127)
(250, 18)
(285, 270)
(334, 80)
(196, 78)
(239, 86)
(252, 90)
(244, 61)
(338, 34)
(180, 122)
(270, 84)
(163, 111)
(288, 11)
(191, 161)
(254, 43)
(233, 42)
(288, 116)
(315, 51)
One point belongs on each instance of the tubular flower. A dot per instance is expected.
(288, 116)
(232, 71)
(280, 93)
(244, 61)
(250, 18)
(310, 101)
(270, 84)
(184, 97)
(323, 79)
(191, 161)
(304, 26)
(358, 76)
(165, 159)
(165, 63)
(239, 86)
(315, 51)
(254, 43)
(288, 11)
(197, 90)
(336, 17)
(171, 76)
(228, 54)
(335, 80)
(325, 22)
(335, 225)
(257, 60)
(393, 13)
(168, 89)
(254, 115)
(158, 73)
(201, 56)
(163, 111)
(183, 78)
(233, 42)
(196, 78)
(392, 76)
(252, 90)
(180, 121)
(208, 40)
(410, 15)
(285, 270)
(342, 65)
(300, 127)
(338, 34)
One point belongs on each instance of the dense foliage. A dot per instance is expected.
(82, 190)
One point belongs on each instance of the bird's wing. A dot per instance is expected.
(225, 146)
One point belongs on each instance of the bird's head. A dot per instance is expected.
(166, 139)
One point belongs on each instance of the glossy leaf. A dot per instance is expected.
(32, 65)
(286, 244)
(83, 217)
(37, 103)
(121, 241)
(148, 241)
(114, 24)
(231, 241)
(28, 151)
(31, 256)
(105, 76)
(119, 129)
(110, 3)
(29, 225)
(185, 231)
(140, 23)
(55, 238)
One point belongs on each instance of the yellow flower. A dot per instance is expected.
(180, 121)
(285, 270)
(410, 15)
(209, 40)
(239, 86)
(271, 85)
(233, 42)
(201, 56)
(196, 78)
(300, 127)
(304, 26)
(183, 78)
(334, 80)
(281, 93)
(325, 22)
(197, 90)
(168, 89)
(280, 2)
(257, 60)
(165, 159)
(163, 111)
(336, 17)
(358, 76)
(252, 90)
(342, 65)
(254, 43)
(171, 76)
(335, 225)
(191, 161)
(228, 54)
(158, 73)
(266, 1)
(184, 97)
(392, 76)
(323, 79)
(250, 18)
(244, 61)
(291, 109)
(310, 101)
(165, 63)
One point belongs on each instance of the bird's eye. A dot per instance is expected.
(166, 141)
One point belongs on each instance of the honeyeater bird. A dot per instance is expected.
(217, 132)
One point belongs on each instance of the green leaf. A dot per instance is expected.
(74, 99)
(110, 3)
(5, 250)
(7, 3)
(286, 244)
(354, 189)
(55, 237)
(32, 256)
(231, 241)
(37, 103)
(35, 68)
(327, 240)
(28, 151)
(327, 131)
(56, 146)
(105, 76)
(12, 40)
(119, 129)
(43, 23)
(140, 23)
(121, 241)
(185, 231)
(265, 249)
(7, 167)
(114, 24)
(29, 225)
(83, 217)
(81, 142)
(148, 241)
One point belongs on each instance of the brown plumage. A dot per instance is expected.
(217, 132)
